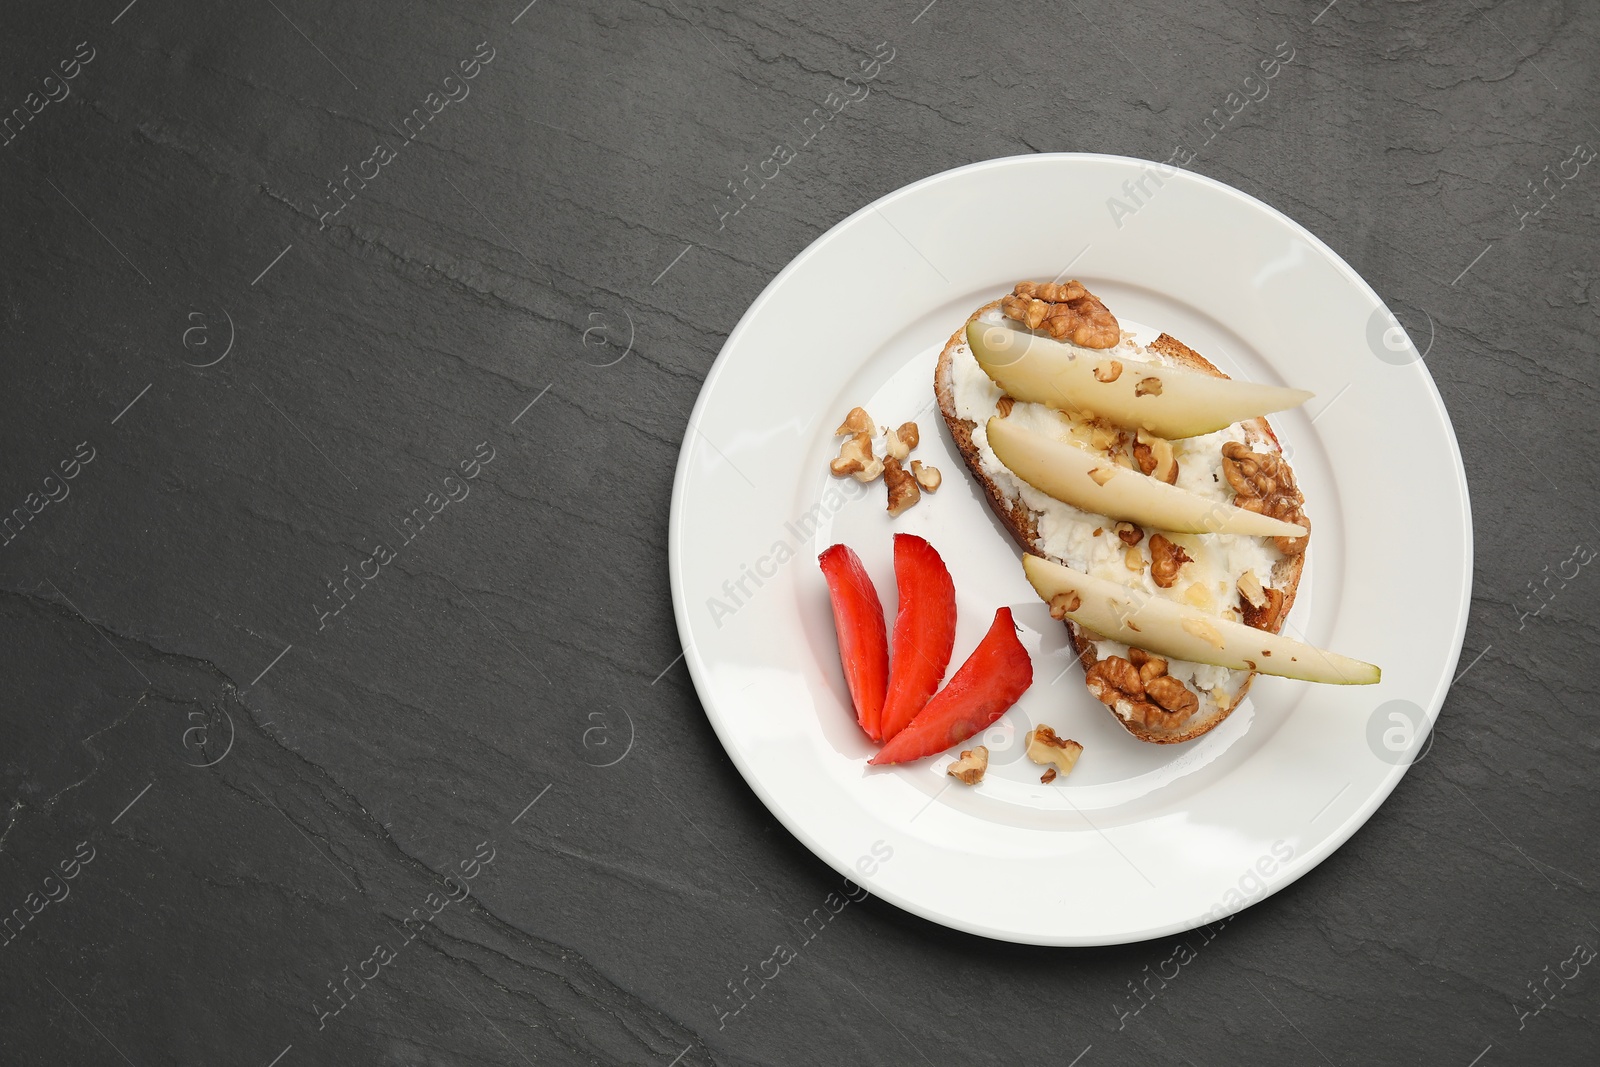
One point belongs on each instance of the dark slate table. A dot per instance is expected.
(344, 472)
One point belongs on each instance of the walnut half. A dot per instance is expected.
(1262, 482)
(1153, 697)
(1067, 311)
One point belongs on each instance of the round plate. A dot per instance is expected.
(1140, 840)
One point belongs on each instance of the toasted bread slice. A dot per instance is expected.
(1217, 700)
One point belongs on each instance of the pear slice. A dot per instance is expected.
(1168, 401)
(1168, 628)
(1095, 483)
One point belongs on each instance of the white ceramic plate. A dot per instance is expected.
(1142, 840)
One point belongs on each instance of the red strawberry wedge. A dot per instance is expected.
(863, 643)
(994, 677)
(924, 630)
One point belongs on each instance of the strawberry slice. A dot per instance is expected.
(924, 630)
(996, 674)
(863, 644)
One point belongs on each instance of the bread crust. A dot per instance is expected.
(1022, 521)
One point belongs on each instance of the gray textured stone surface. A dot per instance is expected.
(385, 743)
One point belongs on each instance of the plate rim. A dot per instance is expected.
(1302, 863)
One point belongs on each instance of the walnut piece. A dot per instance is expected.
(1048, 776)
(971, 766)
(1250, 589)
(1067, 311)
(1062, 603)
(1165, 560)
(1130, 534)
(1155, 457)
(857, 421)
(1262, 482)
(1048, 748)
(856, 458)
(902, 486)
(896, 446)
(1102, 475)
(1265, 616)
(1133, 558)
(909, 434)
(1108, 371)
(1148, 387)
(928, 477)
(1005, 404)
